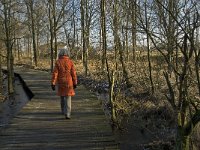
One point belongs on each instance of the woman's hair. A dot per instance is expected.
(63, 52)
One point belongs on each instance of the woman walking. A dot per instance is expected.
(64, 75)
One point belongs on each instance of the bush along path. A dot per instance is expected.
(40, 125)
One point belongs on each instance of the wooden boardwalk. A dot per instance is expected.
(40, 125)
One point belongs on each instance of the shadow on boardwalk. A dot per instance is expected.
(40, 125)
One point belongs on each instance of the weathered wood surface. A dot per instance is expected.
(40, 125)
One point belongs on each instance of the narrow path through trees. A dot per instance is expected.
(40, 125)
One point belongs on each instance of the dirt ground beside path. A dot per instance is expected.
(40, 125)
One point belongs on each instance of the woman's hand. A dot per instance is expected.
(53, 87)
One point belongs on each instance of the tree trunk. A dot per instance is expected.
(183, 141)
(84, 51)
(54, 28)
(33, 32)
(111, 77)
(18, 49)
(115, 32)
(118, 46)
(104, 42)
(134, 22)
(170, 34)
(111, 97)
(103, 35)
(148, 49)
(28, 47)
(74, 28)
(38, 42)
(10, 69)
(1, 81)
(126, 39)
(197, 57)
(51, 36)
(87, 18)
(8, 43)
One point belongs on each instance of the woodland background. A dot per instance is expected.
(144, 54)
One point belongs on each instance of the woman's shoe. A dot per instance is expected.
(67, 117)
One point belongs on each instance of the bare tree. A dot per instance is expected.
(30, 9)
(110, 74)
(168, 25)
(74, 25)
(133, 6)
(8, 39)
(103, 34)
(51, 33)
(180, 97)
(84, 15)
(56, 10)
(117, 42)
(1, 49)
(1, 83)
(148, 47)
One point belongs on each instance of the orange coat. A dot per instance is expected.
(64, 75)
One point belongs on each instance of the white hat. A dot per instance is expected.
(63, 52)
